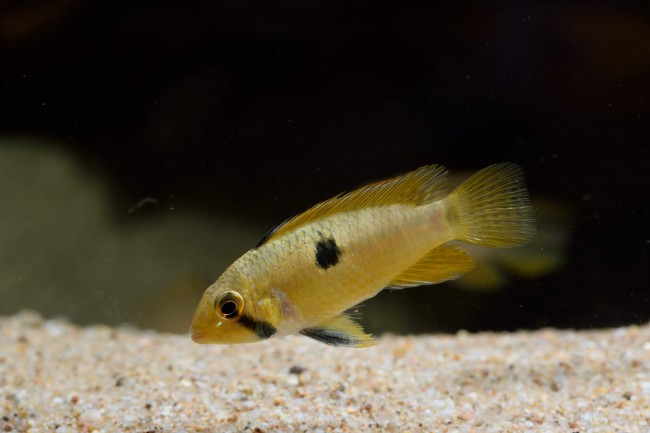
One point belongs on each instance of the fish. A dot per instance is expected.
(306, 273)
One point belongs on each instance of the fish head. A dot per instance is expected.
(231, 311)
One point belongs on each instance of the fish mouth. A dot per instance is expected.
(199, 336)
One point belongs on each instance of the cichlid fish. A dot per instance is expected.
(304, 274)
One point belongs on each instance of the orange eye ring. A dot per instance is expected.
(229, 305)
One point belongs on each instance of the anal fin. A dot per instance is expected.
(340, 331)
(443, 263)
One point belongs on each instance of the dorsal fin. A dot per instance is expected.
(421, 186)
(269, 234)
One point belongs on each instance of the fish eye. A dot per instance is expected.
(229, 305)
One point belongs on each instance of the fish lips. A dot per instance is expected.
(200, 336)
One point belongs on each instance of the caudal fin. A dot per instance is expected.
(492, 209)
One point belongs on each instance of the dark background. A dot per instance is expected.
(254, 111)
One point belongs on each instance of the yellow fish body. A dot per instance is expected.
(306, 272)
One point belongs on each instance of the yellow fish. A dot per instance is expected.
(306, 272)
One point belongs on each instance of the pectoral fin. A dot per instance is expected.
(444, 263)
(340, 331)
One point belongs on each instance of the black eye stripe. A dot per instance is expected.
(261, 328)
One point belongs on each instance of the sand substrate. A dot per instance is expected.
(56, 377)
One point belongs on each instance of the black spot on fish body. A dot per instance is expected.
(327, 253)
(261, 328)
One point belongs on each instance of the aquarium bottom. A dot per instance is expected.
(57, 377)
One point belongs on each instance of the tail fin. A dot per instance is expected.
(492, 209)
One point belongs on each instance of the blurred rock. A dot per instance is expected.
(63, 252)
